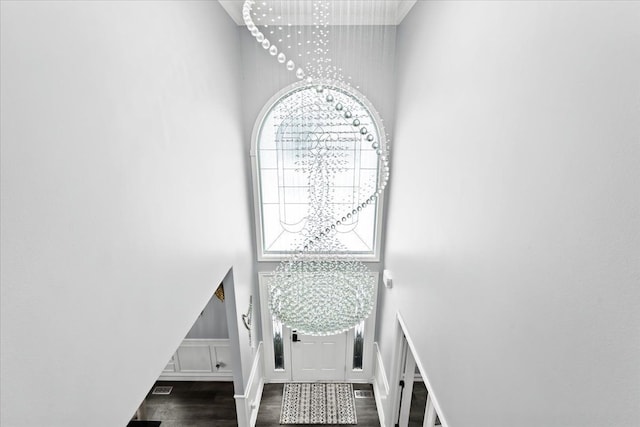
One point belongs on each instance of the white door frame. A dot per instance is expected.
(272, 375)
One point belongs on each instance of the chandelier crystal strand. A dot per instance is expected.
(263, 39)
(316, 291)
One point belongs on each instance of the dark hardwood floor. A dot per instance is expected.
(211, 404)
(192, 404)
(418, 405)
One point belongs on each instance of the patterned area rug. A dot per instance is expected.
(318, 403)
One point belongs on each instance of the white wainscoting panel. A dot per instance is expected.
(171, 365)
(248, 404)
(195, 358)
(200, 360)
(380, 385)
(223, 357)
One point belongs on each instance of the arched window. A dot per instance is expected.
(308, 133)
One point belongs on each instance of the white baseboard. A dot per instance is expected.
(380, 385)
(195, 377)
(248, 404)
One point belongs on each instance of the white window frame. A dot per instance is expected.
(257, 202)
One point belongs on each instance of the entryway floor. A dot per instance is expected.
(192, 404)
(211, 404)
(269, 413)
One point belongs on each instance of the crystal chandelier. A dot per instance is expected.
(321, 289)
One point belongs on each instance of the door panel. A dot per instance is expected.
(318, 358)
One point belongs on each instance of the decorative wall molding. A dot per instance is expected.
(200, 360)
(380, 384)
(248, 404)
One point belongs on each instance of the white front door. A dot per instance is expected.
(318, 358)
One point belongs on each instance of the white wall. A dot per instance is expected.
(514, 220)
(122, 202)
(349, 47)
(212, 322)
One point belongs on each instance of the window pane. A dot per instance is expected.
(278, 345)
(297, 132)
(358, 346)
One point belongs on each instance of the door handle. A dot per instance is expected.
(294, 337)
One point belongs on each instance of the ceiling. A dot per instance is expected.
(359, 12)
